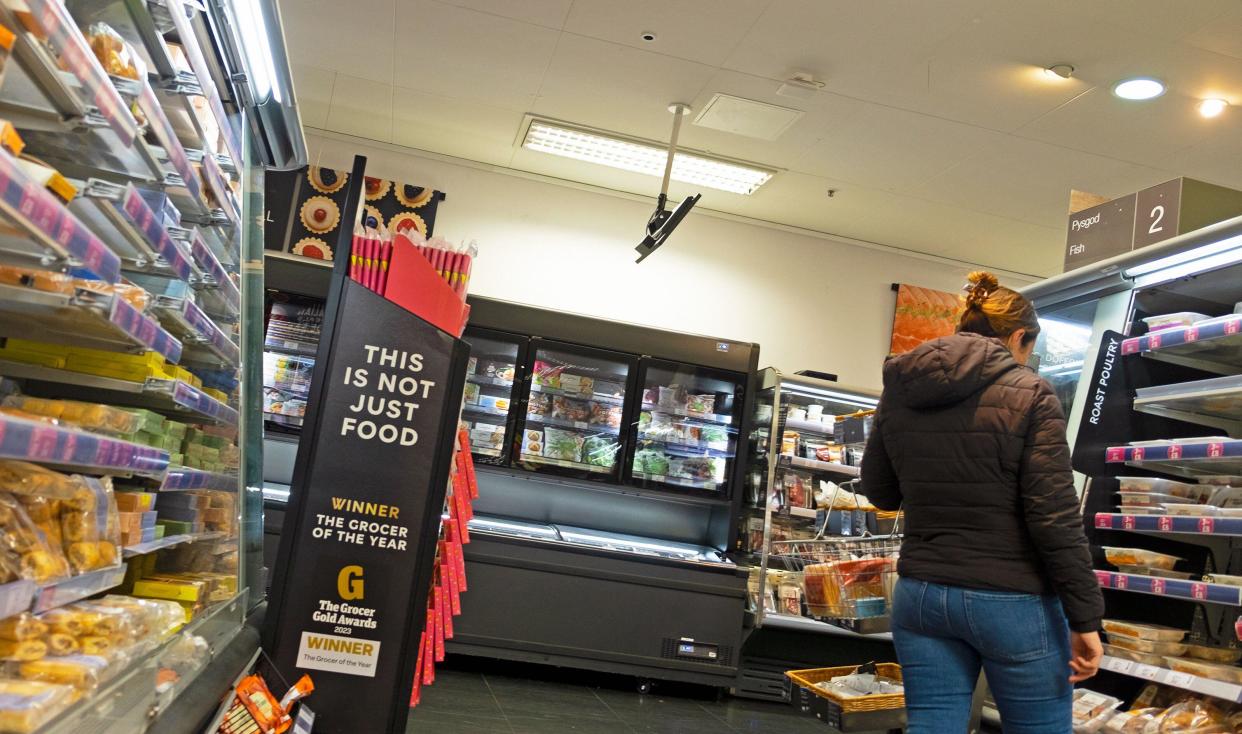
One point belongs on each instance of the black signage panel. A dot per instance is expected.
(352, 603)
(1100, 232)
(1158, 210)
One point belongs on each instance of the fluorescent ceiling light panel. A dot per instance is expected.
(1228, 245)
(642, 157)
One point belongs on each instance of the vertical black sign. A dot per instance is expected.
(1100, 232)
(1158, 211)
(356, 575)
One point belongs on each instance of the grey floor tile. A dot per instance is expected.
(567, 725)
(636, 708)
(458, 693)
(427, 721)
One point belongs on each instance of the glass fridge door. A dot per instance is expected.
(574, 409)
(686, 438)
(290, 340)
(495, 358)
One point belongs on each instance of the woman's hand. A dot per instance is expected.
(1085, 655)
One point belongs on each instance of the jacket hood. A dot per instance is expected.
(947, 370)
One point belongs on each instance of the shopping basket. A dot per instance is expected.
(880, 712)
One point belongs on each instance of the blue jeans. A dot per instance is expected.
(945, 634)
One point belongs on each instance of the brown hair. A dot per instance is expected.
(991, 309)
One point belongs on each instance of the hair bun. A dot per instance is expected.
(980, 285)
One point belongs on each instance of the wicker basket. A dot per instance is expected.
(807, 679)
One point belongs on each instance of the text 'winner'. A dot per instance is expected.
(388, 388)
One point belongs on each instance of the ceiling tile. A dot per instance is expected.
(312, 87)
(454, 127)
(698, 30)
(1222, 35)
(548, 13)
(617, 88)
(468, 55)
(361, 107)
(325, 33)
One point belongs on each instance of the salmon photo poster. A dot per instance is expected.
(922, 314)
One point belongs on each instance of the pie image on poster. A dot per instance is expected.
(371, 217)
(313, 247)
(376, 188)
(326, 180)
(405, 221)
(320, 214)
(412, 196)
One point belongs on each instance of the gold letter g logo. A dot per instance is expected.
(349, 583)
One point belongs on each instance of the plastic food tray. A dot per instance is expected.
(1140, 557)
(1140, 631)
(1157, 572)
(1129, 499)
(1157, 485)
(1192, 510)
(1220, 578)
(1214, 671)
(1224, 655)
(1150, 647)
(1174, 320)
(1138, 657)
(1142, 510)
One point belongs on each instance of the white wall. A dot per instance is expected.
(811, 302)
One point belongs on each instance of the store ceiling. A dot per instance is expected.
(936, 127)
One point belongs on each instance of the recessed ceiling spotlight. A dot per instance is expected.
(1139, 88)
(1212, 107)
(648, 36)
(1059, 71)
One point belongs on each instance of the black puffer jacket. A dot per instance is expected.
(972, 444)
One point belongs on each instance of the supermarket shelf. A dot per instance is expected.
(1186, 681)
(706, 417)
(485, 452)
(1173, 588)
(204, 340)
(485, 380)
(142, 549)
(480, 410)
(123, 219)
(1214, 346)
(185, 28)
(284, 420)
(40, 442)
(214, 279)
(1181, 458)
(304, 351)
(1181, 524)
(45, 228)
(574, 425)
(1216, 402)
(85, 318)
(808, 427)
(826, 467)
(165, 396)
(697, 448)
(16, 597)
(806, 624)
(528, 459)
(594, 398)
(679, 482)
(77, 588)
(180, 479)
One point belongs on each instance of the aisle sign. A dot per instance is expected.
(373, 484)
(1100, 232)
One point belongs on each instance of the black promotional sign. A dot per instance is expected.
(352, 593)
(1100, 232)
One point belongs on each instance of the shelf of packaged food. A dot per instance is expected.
(492, 381)
(285, 420)
(679, 481)
(1185, 681)
(1183, 458)
(46, 443)
(1173, 588)
(1214, 345)
(809, 426)
(807, 624)
(119, 215)
(825, 467)
(82, 318)
(184, 18)
(1181, 524)
(164, 396)
(76, 588)
(683, 413)
(548, 420)
(214, 278)
(299, 389)
(593, 397)
(46, 228)
(485, 410)
(696, 448)
(181, 479)
(546, 461)
(204, 340)
(142, 549)
(483, 451)
(1216, 402)
(218, 186)
(303, 351)
(221, 244)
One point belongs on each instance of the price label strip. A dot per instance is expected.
(210, 264)
(223, 194)
(168, 139)
(188, 396)
(181, 20)
(211, 333)
(135, 208)
(144, 330)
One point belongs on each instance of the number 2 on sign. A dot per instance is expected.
(1157, 216)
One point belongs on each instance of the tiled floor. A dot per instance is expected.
(477, 697)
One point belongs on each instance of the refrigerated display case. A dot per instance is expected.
(576, 398)
(289, 342)
(1155, 426)
(687, 428)
(491, 377)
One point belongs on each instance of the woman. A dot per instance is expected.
(995, 568)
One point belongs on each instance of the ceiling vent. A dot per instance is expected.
(746, 117)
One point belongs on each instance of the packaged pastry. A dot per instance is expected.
(1215, 671)
(1193, 717)
(41, 280)
(67, 621)
(23, 478)
(83, 672)
(59, 644)
(1226, 655)
(90, 530)
(27, 705)
(113, 52)
(1155, 485)
(1154, 632)
(135, 296)
(1140, 557)
(21, 651)
(26, 550)
(89, 416)
(21, 627)
(1147, 646)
